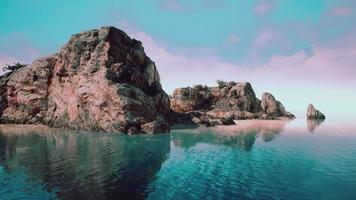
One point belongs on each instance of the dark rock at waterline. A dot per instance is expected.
(227, 121)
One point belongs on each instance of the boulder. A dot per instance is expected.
(272, 107)
(313, 113)
(100, 80)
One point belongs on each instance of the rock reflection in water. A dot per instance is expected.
(313, 124)
(242, 135)
(76, 163)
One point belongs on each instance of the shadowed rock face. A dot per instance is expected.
(231, 101)
(100, 80)
(313, 113)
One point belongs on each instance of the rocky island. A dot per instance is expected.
(102, 80)
(222, 104)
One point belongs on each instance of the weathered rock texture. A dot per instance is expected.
(313, 113)
(206, 105)
(100, 80)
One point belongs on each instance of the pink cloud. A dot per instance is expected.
(341, 11)
(18, 46)
(326, 65)
(264, 38)
(232, 40)
(172, 5)
(263, 8)
(326, 78)
(332, 65)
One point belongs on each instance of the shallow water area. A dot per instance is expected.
(255, 159)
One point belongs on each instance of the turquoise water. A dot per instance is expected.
(269, 160)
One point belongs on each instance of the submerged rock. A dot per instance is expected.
(230, 100)
(100, 80)
(313, 113)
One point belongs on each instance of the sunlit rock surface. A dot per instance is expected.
(100, 80)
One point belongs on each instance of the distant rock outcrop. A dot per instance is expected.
(100, 80)
(313, 113)
(212, 105)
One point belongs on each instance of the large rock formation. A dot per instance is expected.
(204, 105)
(100, 80)
(313, 113)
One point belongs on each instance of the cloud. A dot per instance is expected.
(233, 39)
(324, 66)
(341, 11)
(171, 5)
(326, 76)
(327, 65)
(214, 3)
(18, 46)
(263, 7)
(264, 38)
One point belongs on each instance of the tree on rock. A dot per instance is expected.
(221, 83)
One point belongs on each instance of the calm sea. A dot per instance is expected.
(253, 160)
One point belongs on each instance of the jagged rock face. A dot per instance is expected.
(100, 80)
(273, 107)
(232, 97)
(313, 113)
(231, 101)
(24, 92)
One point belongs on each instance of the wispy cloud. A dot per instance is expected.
(335, 65)
(171, 5)
(263, 38)
(18, 46)
(331, 64)
(264, 7)
(324, 77)
(341, 11)
(233, 39)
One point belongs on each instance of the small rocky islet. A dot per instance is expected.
(314, 114)
(102, 80)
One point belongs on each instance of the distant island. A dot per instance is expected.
(102, 80)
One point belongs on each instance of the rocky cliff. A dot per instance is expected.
(213, 105)
(100, 80)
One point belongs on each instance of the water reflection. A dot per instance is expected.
(314, 123)
(75, 164)
(242, 135)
